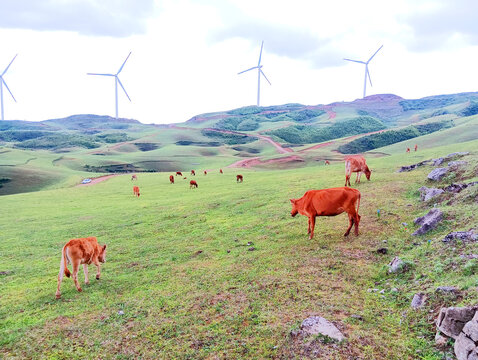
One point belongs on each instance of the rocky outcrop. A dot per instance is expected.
(452, 320)
(466, 344)
(317, 325)
(456, 188)
(457, 163)
(428, 221)
(429, 193)
(414, 166)
(438, 173)
(439, 161)
(465, 236)
(397, 265)
(418, 301)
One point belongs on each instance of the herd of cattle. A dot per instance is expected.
(325, 202)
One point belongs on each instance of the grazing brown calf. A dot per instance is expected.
(220, 171)
(205, 172)
(327, 162)
(408, 150)
(239, 178)
(193, 184)
(356, 164)
(416, 147)
(134, 177)
(193, 172)
(80, 251)
(136, 191)
(328, 202)
(171, 179)
(179, 173)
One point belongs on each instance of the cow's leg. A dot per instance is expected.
(76, 267)
(351, 222)
(347, 180)
(98, 272)
(60, 279)
(312, 227)
(85, 270)
(357, 178)
(308, 227)
(357, 221)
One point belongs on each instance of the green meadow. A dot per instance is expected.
(224, 271)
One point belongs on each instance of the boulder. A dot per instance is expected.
(438, 173)
(464, 236)
(418, 301)
(429, 193)
(446, 290)
(452, 320)
(414, 166)
(397, 265)
(456, 188)
(457, 163)
(466, 344)
(428, 221)
(316, 325)
(437, 162)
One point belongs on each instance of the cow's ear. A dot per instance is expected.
(104, 247)
(292, 201)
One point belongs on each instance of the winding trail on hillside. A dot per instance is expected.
(97, 180)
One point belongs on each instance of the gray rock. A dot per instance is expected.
(464, 236)
(457, 163)
(437, 162)
(438, 173)
(440, 340)
(394, 289)
(428, 221)
(397, 265)
(457, 154)
(316, 325)
(429, 193)
(456, 188)
(466, 344)
(446, 289)
(418, 301)
(414, 166)
(451, 320)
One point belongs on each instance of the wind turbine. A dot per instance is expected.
(367, 74)
(259, 72)
(2, 82)
(117, 81)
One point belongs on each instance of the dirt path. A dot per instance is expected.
(98, 180)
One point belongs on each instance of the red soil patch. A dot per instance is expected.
(98, 180)
(248, 163)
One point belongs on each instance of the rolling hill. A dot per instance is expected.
(63, 151)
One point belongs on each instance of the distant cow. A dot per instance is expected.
(327, 162)
(193, 184)
(80, 251)
(136, 191)
(171, 179)
(179, 173)
(193, 172)
(356, 164)
(328, 202)
(134, 177)
(416, 147)
(239, 178)
(220, 171)
(205, 172)
(408, 150)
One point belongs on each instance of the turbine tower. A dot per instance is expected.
(259, 72)
(367, 74)
(2, 82)
(117, 81)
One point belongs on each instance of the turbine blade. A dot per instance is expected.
(100, 74)
(252, 68)
(260, 54)
(262, 72)
(374, 54)
(4, 83)
(6, 69)
(357, 61)
(123, 88)
(369, 79)
(121, 68)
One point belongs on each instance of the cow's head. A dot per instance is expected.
(102, 255)
(367, 172)
(294, 210)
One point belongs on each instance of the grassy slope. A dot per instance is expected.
(179, 303)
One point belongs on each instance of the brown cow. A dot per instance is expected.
(80, 251)
(193, 172)
(220, 171)
(205, 172)
(134, 177)
(356, 164)
(171, 179)
(408, 150)
(136, 191)
(193, 184)
(328, 202)
(179, 173)
(327, 162)
(239, 178)
(416, 147)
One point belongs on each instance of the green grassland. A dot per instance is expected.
(180, 270)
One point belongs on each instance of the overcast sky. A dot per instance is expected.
(186, 53)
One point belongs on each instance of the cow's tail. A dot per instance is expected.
(358, 202)
(64, 263)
